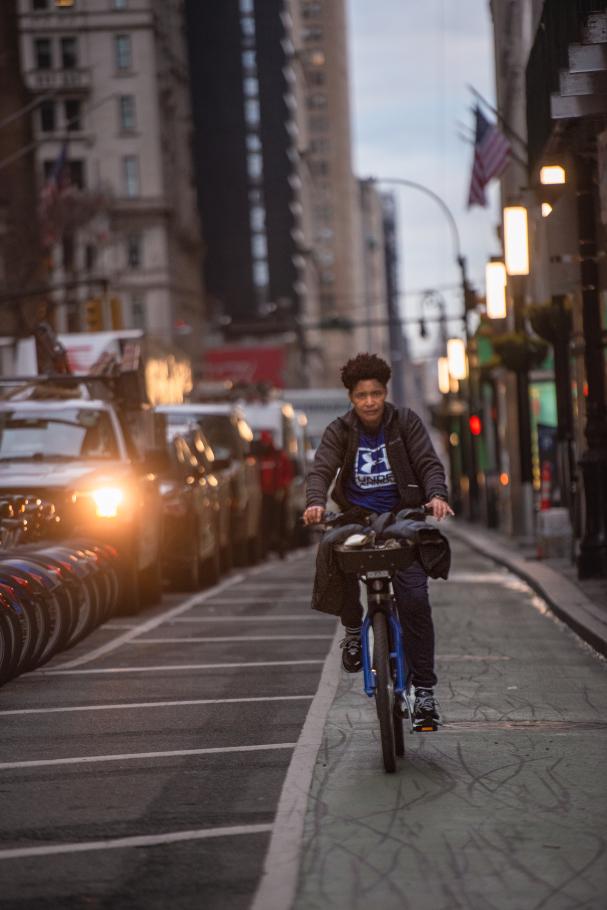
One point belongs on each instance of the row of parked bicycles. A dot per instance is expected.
(52, 595)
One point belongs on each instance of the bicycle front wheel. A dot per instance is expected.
(384, 691)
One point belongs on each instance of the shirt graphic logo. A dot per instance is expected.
(373, 468)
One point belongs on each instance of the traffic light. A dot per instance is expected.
(93, 314)
(475, 424)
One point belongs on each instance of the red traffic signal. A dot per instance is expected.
(476, 425)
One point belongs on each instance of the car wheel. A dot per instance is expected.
(129, 600)
(150, 584)
(211, 569)
(187, 577)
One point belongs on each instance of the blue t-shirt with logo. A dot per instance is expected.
(372, 484)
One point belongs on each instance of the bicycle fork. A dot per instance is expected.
(379, 600)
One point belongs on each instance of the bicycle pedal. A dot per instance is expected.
(425, 726)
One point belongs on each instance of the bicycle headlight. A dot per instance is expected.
(107, 501)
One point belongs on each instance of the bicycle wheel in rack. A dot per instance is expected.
(384, 691)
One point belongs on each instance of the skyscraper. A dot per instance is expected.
(272, 152)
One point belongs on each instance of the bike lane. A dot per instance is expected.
(505, 807)
(144, 768)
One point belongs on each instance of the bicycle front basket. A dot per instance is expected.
(374, 559)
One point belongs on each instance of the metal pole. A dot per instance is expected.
(524, 414)
(592, 558)
(465, 289)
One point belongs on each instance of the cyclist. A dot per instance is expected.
(384, 461)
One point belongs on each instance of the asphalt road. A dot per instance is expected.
(506, 807)
(143, 769)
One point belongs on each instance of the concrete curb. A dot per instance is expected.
(565, 600)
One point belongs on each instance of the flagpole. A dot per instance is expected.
(507, 128)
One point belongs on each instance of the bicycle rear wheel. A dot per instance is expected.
(384, 691)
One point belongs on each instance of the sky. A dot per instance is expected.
(410, 65)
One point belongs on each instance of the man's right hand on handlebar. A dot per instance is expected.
(313, 515)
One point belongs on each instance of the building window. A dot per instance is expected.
(73, 114)
(317, 101)
(120, 4)
(246, 6)
(312, 34)
(249, 60)
(47, 116)
(251, 87)
(138, 320)
(43, 54)
(316, 77)
(253, 142)
(257, 217)
(90, 257)
(311, 10)
(247, 26)
(76, 170)
(133, 251)
(254, 165)
(260, 273)
(126, 107)
(39, 5)
(130, 172)
(259, 246)
(69, 53)
(123, 52)
(251, 111)
(318, 124)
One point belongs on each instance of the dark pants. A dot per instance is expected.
(415, 613)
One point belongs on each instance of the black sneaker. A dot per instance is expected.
(426, 717)
(351, 659)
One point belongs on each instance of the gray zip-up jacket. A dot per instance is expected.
(417, 469)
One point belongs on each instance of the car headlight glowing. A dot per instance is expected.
(107, 501)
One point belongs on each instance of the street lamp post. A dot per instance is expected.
(466, 295)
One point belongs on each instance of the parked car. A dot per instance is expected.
(230, 437)
(196, 511)
(78, 454)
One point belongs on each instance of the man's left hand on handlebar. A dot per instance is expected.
(313, 515)
(440, 508)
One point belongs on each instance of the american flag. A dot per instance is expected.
(491, 156)
(56, 182)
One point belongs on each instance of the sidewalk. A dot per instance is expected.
(581, 604)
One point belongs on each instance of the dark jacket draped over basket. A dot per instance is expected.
(432, 548)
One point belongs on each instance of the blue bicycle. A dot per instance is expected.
(384, 666)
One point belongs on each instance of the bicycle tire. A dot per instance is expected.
(399, 734)
(384, 691)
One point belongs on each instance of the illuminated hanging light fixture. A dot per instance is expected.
(495, 289)
(444, 380)
(516, 240)
(456, 356)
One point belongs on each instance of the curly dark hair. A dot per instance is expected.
(365, 366)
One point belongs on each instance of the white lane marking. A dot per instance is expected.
(276, 890)
(145, 840)
(152, 623)
(473, 657)
(209, 639)
(257, 600)
(117, 627)
(122, 706)
(293, 617)
(139, 756)
(160, 669)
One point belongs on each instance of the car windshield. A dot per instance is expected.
(68, 434)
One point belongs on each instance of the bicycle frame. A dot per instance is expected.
(381, 599)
